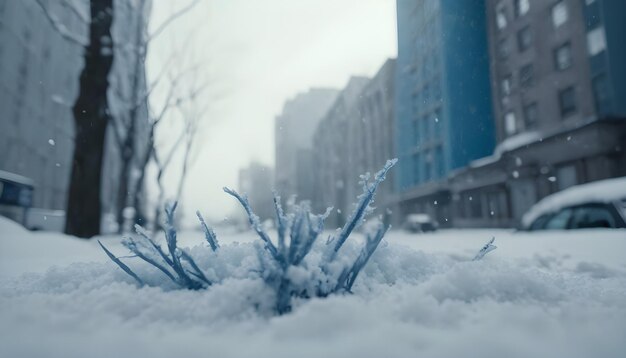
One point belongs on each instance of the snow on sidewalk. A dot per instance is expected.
(557, 294)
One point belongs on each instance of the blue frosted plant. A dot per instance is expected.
(176, 263)
(283, 264)
(304, 227)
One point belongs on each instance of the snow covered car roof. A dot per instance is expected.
(602, 191)
(418, 218)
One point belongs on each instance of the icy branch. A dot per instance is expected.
(369, 190)
(121, 264)
(176, 264)
(171, 19)
(255, 223)
(485, 250)
(209, 234)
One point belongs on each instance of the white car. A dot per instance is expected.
(600, 204)
(420, 223)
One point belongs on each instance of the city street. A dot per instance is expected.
(548, 294)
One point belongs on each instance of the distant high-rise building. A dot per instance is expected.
(559, 99)
(255, 181)
(369, 135)
(331, 152)
(294, 129)
(443, 99)
(39, 77)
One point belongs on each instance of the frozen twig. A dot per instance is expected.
(487, 248)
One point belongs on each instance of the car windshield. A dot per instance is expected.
(593, 216)
(540, 222)
(560, 220)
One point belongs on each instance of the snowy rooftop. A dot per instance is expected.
(16, 178)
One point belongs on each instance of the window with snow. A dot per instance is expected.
(596, 41)
(521, 7)
(559, 13)
(509, 123)
(505, 85)
(501, 20)
(563, 57)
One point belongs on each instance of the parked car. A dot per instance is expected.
(420, 223)
(600, 204)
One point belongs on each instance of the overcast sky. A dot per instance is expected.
(260, 53)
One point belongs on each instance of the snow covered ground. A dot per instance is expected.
(556, 294)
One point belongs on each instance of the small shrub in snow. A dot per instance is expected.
(176, 263)
(285, 265)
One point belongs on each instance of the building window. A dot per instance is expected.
(427, 166)
(567, 101)
(601, 94)
(505, 85)
(416, 133)
(439, 162)
(427, 135)
(438, 123)
(566, 176)
(521, 7)
(531, 115)
(509, 123)
(503, 48)
(526, 76)
(563, 57)
(596, 41)
(437, 90)
(501, 20)
(524, 39)
(416, 168)
(559, 13)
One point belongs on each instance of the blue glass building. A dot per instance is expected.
(443, 97)
(605, 27)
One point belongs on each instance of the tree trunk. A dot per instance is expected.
(128, 149)
(126, 157)
(140, 216)
(91, 117)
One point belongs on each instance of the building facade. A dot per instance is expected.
(330, 157)
(558, 84)
(39, 76)
(443, 99)
(369, 136)
(294, 129)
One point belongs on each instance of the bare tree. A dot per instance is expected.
(187, 86)
(91, 116)
(192, 113)
(126, 124)
(91, 109)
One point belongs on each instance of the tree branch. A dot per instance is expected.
(60, 28)
(85, 18)
(171, 19)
